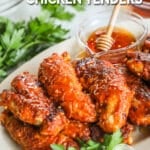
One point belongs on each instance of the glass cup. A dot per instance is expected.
(126, 20)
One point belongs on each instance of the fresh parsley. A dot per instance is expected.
(20, 41)
(110, 141)
(61, 12)
(58, 11)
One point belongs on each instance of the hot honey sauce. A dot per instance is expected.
(122, 38)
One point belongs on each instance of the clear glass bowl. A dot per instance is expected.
(126, 19)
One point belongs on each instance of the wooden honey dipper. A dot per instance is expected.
(105, 41)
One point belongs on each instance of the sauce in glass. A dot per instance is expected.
(121, 36)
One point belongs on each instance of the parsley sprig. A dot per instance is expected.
(110, 141)
(20, 41)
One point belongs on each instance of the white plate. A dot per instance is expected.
(70, 45)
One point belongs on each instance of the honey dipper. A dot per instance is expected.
(105, 41)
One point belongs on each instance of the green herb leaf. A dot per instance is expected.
(111, 140)
(80, 7)
(58, 11)
(20, 41)
(2, 73)
(71, 148)
(57, 147)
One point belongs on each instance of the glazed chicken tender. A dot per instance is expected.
(139, 113)
(28, 110)
(57, 75)
(108, 87)
(59, 123)
(56, 122)
(139, 64)
(29, 137)
(140, 107)
(28, 85)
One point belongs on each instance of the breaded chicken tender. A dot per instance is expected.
(28, 90)
(58, 77)
(139, 64)
(29, 137)
(108, 87)
(140, 107)
(32, 111)
(139, 113)
(28, 85)
(77, 130)
(58, 123)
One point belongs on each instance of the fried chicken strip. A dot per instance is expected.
(28, 85)
(29, 137)
(77, 130)
(60, 124)
(108, 87)
(29, 110)
(139, 64)
(140, 107)
(56, 122)
(139, 113)
(59, 79)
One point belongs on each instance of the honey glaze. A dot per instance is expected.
(121, 36)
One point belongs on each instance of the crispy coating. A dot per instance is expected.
(127, 132)
(57, 75)
(32, 111)
(29, 137)
(108, 87)
(139, 113)
(60, 124)
(139, 64)
(140, 107)
(54, 124)
(77, 130)
(28, 85)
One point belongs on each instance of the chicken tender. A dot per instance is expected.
(54, 124)
(140, 107)
(139, 113)
(60, 124)
(29, 137)
(108, 87)
(56, 121)
(139, 64)
(28, 85)
(57, 75)
(29, 110)
(77, 130)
